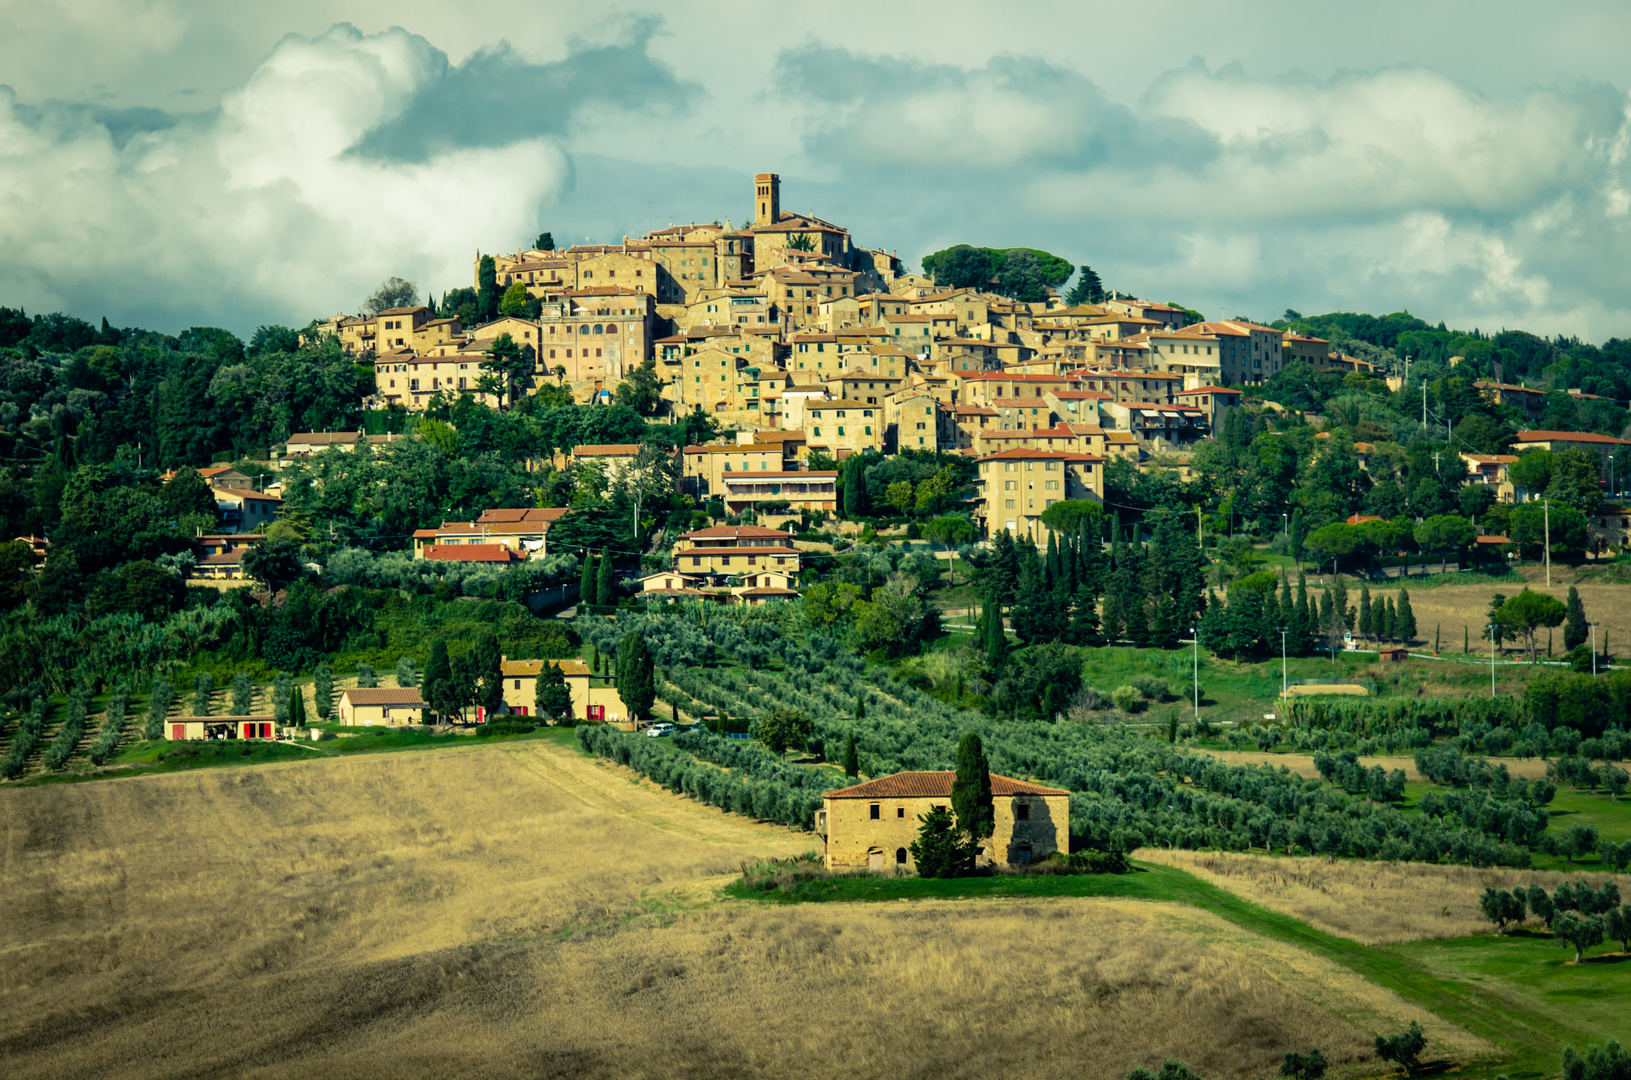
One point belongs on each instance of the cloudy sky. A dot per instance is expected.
(171, 163)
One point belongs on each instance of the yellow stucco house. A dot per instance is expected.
(597, 703)
(872, 825)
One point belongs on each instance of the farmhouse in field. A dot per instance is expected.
(589, 702)
(390, 705)
(872, 825)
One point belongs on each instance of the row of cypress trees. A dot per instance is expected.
(595, 585)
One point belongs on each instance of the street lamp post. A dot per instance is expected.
(1283, 689)
(1195, 637)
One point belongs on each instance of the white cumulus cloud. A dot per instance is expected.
(257, 211)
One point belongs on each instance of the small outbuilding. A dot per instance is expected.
(190, 728)
(872, 825)
(1393, 656)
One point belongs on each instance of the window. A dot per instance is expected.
(900, 811)
(518, 684)
(900, 856)
(877, 812)
(1022, 812)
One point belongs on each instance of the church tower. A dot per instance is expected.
(767, 198)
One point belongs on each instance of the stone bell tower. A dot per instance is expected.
(767, 198)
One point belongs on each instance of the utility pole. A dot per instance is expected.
(1436, 468)
(1547, 508)
(1423, 405)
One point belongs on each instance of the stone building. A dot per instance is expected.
(873, 824)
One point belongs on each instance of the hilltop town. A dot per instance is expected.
(792, 335)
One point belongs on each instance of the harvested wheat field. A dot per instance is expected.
(525, 911)
(1451, 610)
(1374, 903)
(1303, 764)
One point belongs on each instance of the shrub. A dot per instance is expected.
(1127, 699)
(1153, 688)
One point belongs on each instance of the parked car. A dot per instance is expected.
(657, 731)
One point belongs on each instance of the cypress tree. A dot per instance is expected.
(1466, 640)
(1031, 597)
(1385, 618)
(1575, 631)
(1404, 620)
(637, 682)
(603, 581)
(1084, 617)
(1367, 627)
(1090, 551)
(860, 709)
(1339, 600)
(852, 760)
(1301, 637)
(297, 707)
(996, 641)
(1054, 571)
(1138, 627)
(971, 790)
(322, 689)
(586, 580)
(438, 682)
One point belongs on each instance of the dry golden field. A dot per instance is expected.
(522, 911)
(1374, 903)
(1450, 609)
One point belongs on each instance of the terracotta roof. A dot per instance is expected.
(323, 438)
(1492, 540)
(768, 590)
(496, 553)
(785, 474)
(741, 532)
(1208, 390)
(238, 493)
(383, 695)
(1055, 455)
(520, 517)
(1360, 519)
(528, 669)
(985, 376)
(606, 450)
(1568, 436)
(750, 550)
(1020, 403)
(932, 785)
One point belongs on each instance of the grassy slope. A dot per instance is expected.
(1515, 992)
